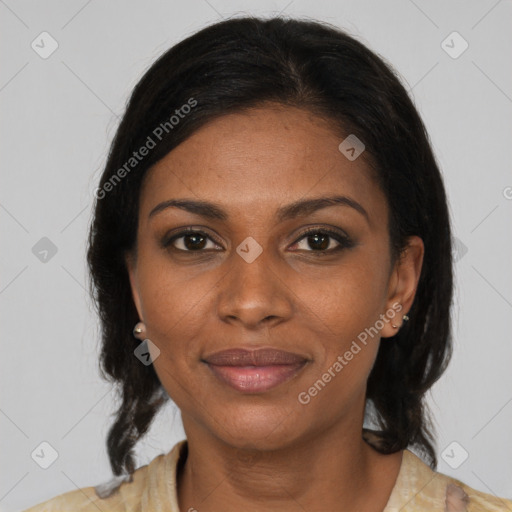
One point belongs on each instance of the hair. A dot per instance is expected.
(243, 63)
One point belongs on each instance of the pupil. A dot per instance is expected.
(323, 245)
(194, 244)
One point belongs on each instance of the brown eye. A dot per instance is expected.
(190, 241)
(323, 241)
(194, 241)
(319, 241)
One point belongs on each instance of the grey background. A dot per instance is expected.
(59, 115)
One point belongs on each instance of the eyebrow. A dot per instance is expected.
(296, 209)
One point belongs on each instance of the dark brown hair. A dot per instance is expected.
(241, 63)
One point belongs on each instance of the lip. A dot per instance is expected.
(254, 371)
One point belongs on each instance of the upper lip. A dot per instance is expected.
(254, 357)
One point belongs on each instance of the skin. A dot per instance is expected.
(268, 451)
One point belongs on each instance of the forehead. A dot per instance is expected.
(261, 158)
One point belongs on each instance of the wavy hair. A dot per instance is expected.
(241, 63)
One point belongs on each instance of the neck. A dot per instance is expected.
(335, 471)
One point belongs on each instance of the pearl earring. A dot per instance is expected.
(405, 318)
(139, 328)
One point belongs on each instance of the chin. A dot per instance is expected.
(262, 427)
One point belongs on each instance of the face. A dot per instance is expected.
(254, 272)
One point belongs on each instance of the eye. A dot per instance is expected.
(190, 240)
(314, 240)
(322, 241)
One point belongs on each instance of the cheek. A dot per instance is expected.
(178, 309)
(346, 310)
(344, 317)
(350, 297)
(173, 298)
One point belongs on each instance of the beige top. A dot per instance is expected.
(153, 488)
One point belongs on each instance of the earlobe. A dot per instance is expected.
(404, 283)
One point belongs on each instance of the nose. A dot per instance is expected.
(254, 295)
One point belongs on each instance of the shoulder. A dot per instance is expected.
(147, 485)
(122, 496)
(419, 488)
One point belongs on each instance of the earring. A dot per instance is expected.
(405, 318)
(139, 328)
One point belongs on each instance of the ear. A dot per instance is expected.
(131, 268)
(403, 284)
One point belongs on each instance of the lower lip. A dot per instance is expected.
(255, 379)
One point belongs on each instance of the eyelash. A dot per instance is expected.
(344, 241)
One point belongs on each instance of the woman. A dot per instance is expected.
(271, 249)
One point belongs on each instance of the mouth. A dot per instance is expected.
(255, 371)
